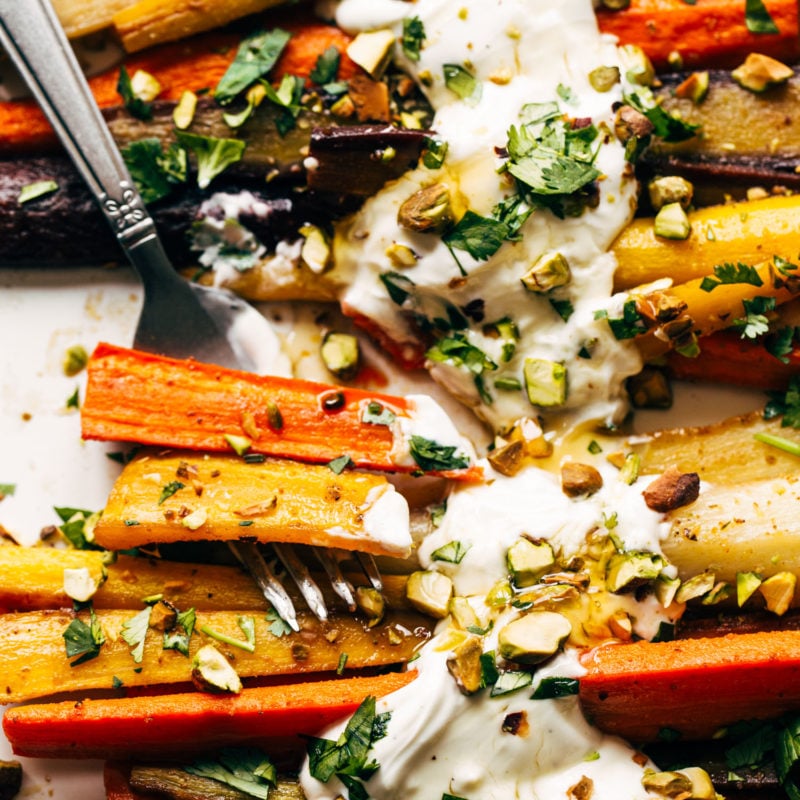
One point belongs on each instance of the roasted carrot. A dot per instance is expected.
(703, 33)
(166, 726)
(194, 65)
(692, 686)
(140, 397)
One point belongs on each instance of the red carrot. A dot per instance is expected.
(140, 397)
(176, 725)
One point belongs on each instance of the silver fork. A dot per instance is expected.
(178, 318)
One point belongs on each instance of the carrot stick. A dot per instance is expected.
(705, 33)
(691, 686)
(140, 397)
(196, 64)
(727, 358)
(167, 726)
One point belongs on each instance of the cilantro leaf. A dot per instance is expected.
(398, 287)
(479, 236)
(781, 343)
(255, 57)
(729, 274)
(755, 321)
(452, 552)
(340, 464)
(169, 489)
(78, 527)
(326, 66)
(666, 126)
(555, 687)
(431, 456)
(412, 38)
(489, 671)
(757, 18)
(178, 638)
(785, 404)
(244, 768)
(213, 155)
(563, 308)
(84, 640)
(135, 105)
(287, 97)
(278, 625)
(134, 631)
(627, 326)
(154, 172)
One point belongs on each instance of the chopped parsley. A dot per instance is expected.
(412, 38)
(213, 155)
(757, 18)
(458, 351)
(627, 326)
(155, 172)
(340, 464)
(563, 308)
(169, 489)
(479, 236)
(431, 456)
(178, 638)
(555, 687)
(755, 321)
(730, 274)
(278, 625)
(74, 400)
(398, 287)
(376, 413)
(84, 640)
(255, 57)
(461, 82)
(434, 152)
(666, 126)
(452, 552)
(244, 768)
(287, 97)
(785, 404)
(134, 631)
(326, 66)
(78, 527)
(135, 105)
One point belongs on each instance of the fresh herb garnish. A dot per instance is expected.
(434, 152)
(458, 351)
(246, 625)
(666, 126)
(135, 105)
(730, 274)
(155, 172)
(785, 404)
(376, 413)
(461, 82)
(431, 456)
(169, 489)
(78, 527)
(255, 57)
(33, 191)
(452, 552)
(755, 321)
(757, 18)
(627, 326)
(244, 768)
(178, 638)
(74, 400)
(213, 155)
(555, 687)
(84, 640)
(412, 38)
(287, 97)
(563, 308)
(278, 625)
(782, 342)
(340, 464)
(134, 631)
(326, 66)
(398, 287)
(479, 236)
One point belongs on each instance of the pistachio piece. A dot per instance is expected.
(401, 256)
(666, 589)
(463, 613)
(759, 72)
(746, 585)
(372, 603)
(316, 249)
(79, 584)
(626, 571)
(702, 787)
(464, 664)
(528, 560)
(667, 784)
(499, 595)
(778, 592)
(372, 50)
(603, 79)
(211, 672)
(694, 88)
(670, 189)
(145, 86)
(341, 355)
(430, 593)
(183, 113)
(671, 222)
(638, 67)
(75, 359)
(508, 460)
(580, 480)
(428, 210)
(545, 382)
(163, 616)
(650, 389)
(631, 124)
(534, 637)
(672, 490)
(550, 271)
(695, 587)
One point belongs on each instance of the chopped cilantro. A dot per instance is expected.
(84, 640)
(134, 631)
(244, 768)
(326, 66)
(781, 343)
(255, 57)
(447, 796)
(412, 38)
(340, 464)
(452, 552)
(785, 404)
(555, 687)
(178, 638)
(567, 94)
(74, 400)
(376, 413)
(116, 683)
(563, 308)
(78, 527)
(729, 274)
(169, 489)
(33, 191)
(627, 326)
(278, 625)
(287, 97)
(434, 152)
(458, 351)
(757, 18)
(135, 105)
(155, 172)
(479, 236)
(213, 155)
(398, 286)
(461, 82)
(489, 671)
(755, 321)
(431, 456)
(666, 126)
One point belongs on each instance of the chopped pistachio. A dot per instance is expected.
(75, 360)
(621, 625)
(670, 189)
(580, 480)
(545, 382)
(509, 458)
(629, 472)
(667, 784)
(240, 444)
(401, 256)
(463, 613)
(650, 389)
(626, 571)
(79, 584)
(533, 637)
(702, 787)
(694, 88)
(371, 602)
(778, 592)
(430, 593)
(759, 72)
(550, 271)
(528, 560)
(372, 50)
(428, 210)
(211, 672)
(464, 664)
(695, 587)
(746, 585)
(341, 354)
(196, 519)
(499, 595)
(603, 79)
(145, 86)
(316, 249)
(183, 113)
(671, 222)
(666, 589)
(638, 67)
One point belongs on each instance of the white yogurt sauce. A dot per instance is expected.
(520, 51)
(439, 740)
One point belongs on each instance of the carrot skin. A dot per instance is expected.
(176, 725)
(692, 686)
(173, 403)
(706, 33)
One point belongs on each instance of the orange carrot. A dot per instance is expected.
(691, 686)
(140, 397)
(707, 33)
(727, 358)
(171, 725)
(195, 64)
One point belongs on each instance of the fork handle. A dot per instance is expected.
(34, 40)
